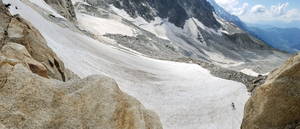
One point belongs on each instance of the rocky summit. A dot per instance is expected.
(276, 104)
(38, 92)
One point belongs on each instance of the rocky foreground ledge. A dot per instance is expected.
(276, 104)
(38, 92)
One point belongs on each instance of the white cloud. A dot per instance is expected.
(258, 13)
(227, 3)
(279, 9)
(233, 6)
(241, 10)
(258, 9)
(292, 15)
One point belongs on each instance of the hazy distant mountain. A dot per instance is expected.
(293, 24)
(286, 39)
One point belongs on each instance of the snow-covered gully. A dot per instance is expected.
(185, 96)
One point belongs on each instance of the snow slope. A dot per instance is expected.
(185, 96)
(45, 6)
(101, 26)
(193, 29)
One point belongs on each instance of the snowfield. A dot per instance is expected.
(102, 26)
(185, 96)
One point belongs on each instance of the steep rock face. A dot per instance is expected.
(30, 100)
(276, 104)
(171, 9)
(17, 30)
(63, 7)
(221, 12)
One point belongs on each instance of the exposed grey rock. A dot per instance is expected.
(177, 11)
(250, 82)
(145, 42)
(63, 7)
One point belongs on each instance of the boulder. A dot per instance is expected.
(29, 101)
(276, 104)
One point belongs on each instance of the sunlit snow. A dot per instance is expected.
(101, 26)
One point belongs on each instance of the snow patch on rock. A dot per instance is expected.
(250, 72)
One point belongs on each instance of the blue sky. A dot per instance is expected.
(263, 11)
(292, 3)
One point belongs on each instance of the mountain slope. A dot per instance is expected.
(150, 9)
(196, 33)
(185, 96)
(221, 12)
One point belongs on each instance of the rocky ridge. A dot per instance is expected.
(149, 9)
(221, 12)
(38, 92)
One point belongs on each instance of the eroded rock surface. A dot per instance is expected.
(276, 104)
(29, 101)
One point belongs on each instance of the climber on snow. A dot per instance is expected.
(233, 106)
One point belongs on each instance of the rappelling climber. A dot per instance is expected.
(233, 106)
